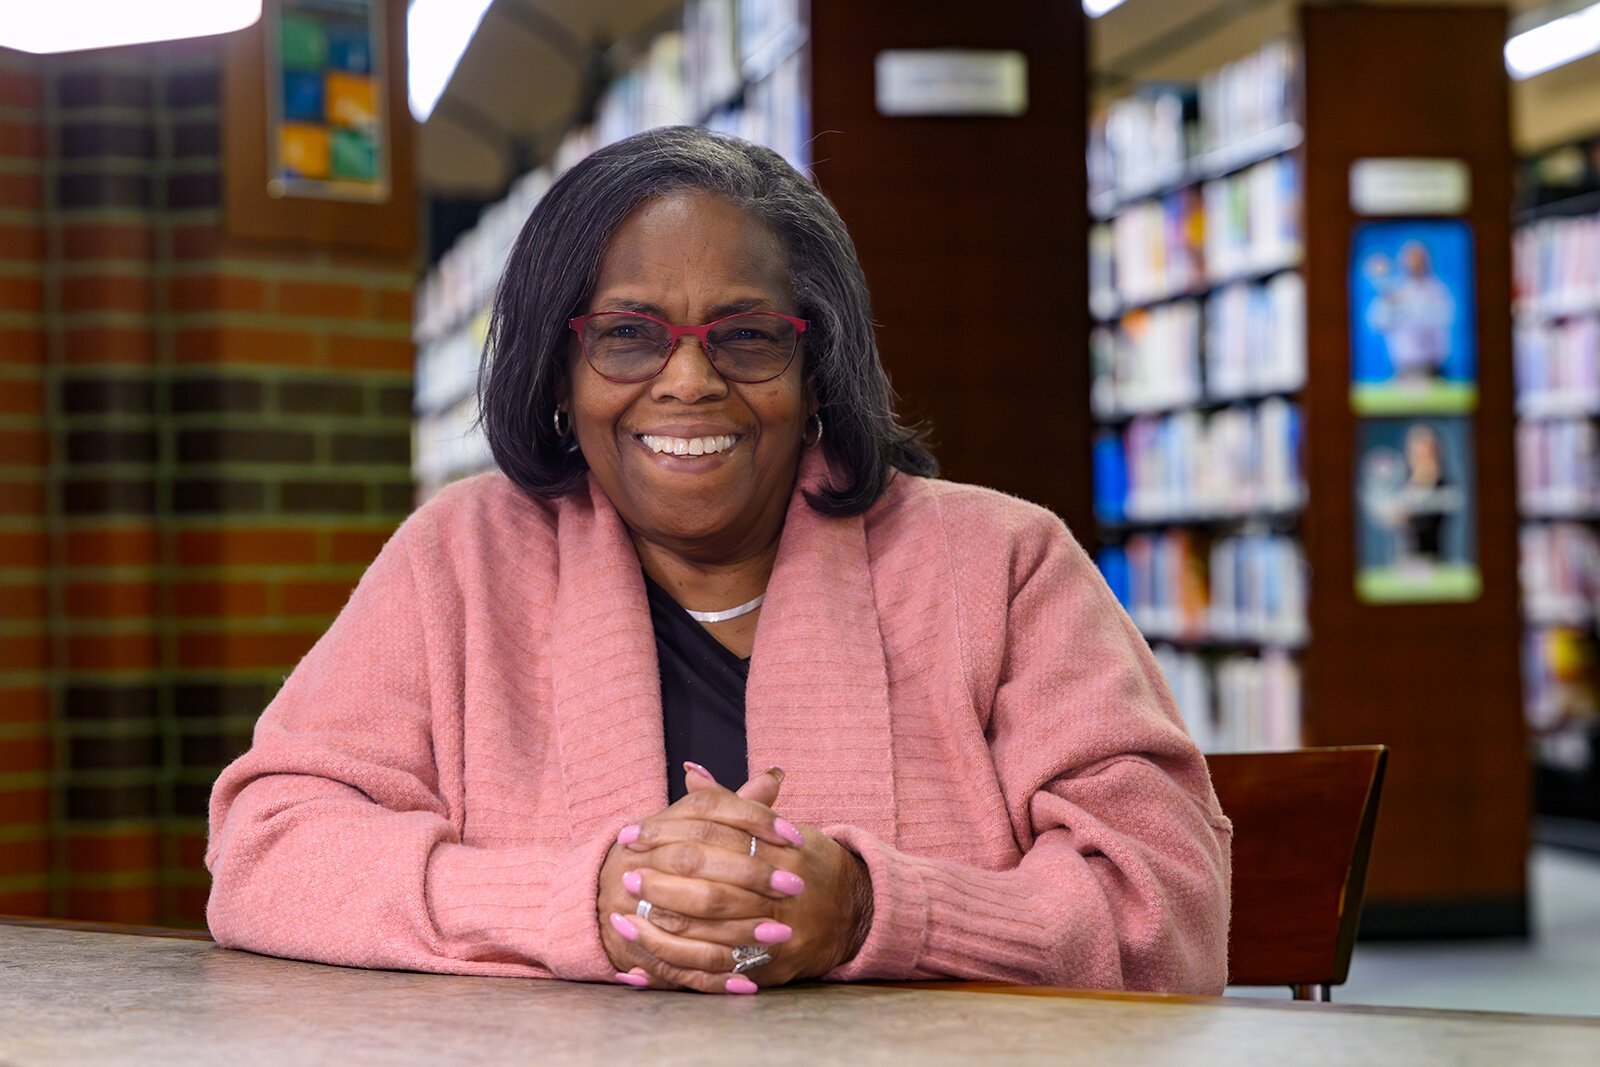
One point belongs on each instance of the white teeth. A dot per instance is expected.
(688, 446)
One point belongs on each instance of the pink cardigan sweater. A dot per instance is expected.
(949, 685)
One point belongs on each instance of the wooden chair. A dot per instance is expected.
(1302, 831)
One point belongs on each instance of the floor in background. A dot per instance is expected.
(1557, 971)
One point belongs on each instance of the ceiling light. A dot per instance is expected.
(437, 33)
(75, 25)
(1554, 43)
(1096, 8)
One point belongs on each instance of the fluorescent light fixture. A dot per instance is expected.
(1096, 8)
(76, 25)
(1554, 43)
(437, 33)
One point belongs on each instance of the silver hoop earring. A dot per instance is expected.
(806, 437)
(562, 423)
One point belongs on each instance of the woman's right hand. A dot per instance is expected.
(707, 893)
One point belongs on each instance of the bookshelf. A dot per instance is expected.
(1557, 351)
(1198, 359)
(1230, 443)
(959, 220)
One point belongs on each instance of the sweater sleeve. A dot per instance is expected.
(331, 840)
(1124, 877)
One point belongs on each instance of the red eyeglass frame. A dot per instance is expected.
(677, 332)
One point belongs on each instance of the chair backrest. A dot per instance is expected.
(1302, 831)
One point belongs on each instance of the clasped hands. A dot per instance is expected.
(803, 897)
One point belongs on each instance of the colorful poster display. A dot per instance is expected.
(327, 112)
(1416, 535)
(1412, 327)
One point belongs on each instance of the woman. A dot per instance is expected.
(714, 543)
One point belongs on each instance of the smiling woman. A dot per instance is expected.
(715, 552)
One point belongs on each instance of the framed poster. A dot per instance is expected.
(327, 106)
(1412, 322)
(1416, 535)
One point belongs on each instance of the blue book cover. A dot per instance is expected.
(1110, 479)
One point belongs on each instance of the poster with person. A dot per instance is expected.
(1416, 536)
(1412, 323)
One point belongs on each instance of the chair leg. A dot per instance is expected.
(1319, 992)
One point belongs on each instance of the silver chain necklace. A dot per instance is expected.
(732, 613)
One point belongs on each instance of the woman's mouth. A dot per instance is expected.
(688, 446)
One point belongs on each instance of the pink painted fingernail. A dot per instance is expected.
(741, 985)
(627, 835)
(791, 885)
(623, 927)
(770, 933)
(632, 882)
(787, 831)
(695, 768)
(638, 981)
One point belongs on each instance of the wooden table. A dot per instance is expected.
(76, 996)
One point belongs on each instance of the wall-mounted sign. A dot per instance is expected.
(1410, 186)
(326, 105)
(952, 81)
(1414, 346)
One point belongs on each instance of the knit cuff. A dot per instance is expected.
(525, 904)
(899, 927)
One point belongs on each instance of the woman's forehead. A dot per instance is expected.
(692, 237)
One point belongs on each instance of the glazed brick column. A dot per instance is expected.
(234, 422)
(26, 751)
(104, 211)
(288, 431)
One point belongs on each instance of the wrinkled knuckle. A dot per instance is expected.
(702, 831)
(683, 861)
(668, 921)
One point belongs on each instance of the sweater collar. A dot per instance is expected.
(817, 700)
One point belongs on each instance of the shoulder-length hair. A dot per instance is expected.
(550, 276)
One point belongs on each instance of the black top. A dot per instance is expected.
(702, 696)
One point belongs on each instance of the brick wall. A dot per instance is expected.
(26, 753)
(231, 423)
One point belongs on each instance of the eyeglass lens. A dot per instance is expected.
(745, 348)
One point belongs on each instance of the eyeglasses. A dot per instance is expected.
(626, 346)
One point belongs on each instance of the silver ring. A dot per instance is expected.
(752, 845)
(749, 957)
(643, 910)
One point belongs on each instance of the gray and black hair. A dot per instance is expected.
(550, 277)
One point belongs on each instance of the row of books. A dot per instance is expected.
(1172, 134)
(1558, 366)
(1557, 265)
(1235, 703)
(1558, 467)
(1148, 362)
(1247, 588)
(1229, 228)
(1157, 249)
(1140, 144)
(735, 65)
(1252, 337)
(1233, 462)
(447, 444)
(1561, 679)
(1249, 99)
(1560, 573)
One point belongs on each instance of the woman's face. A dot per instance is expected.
(689, 258)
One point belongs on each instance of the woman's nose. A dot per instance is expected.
(689, 374)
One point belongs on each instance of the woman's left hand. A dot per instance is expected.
(822, 925)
